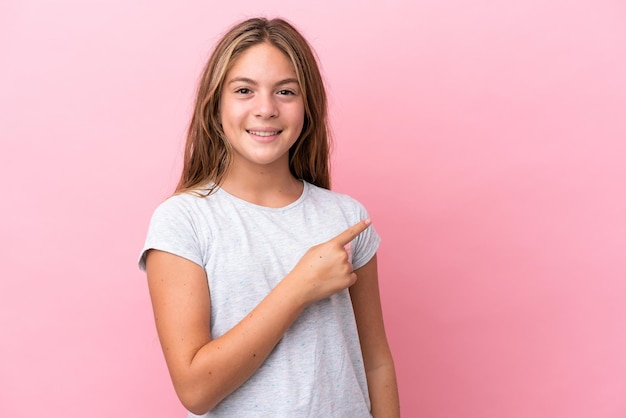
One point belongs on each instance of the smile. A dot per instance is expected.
(264, 133)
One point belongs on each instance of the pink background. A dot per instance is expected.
(486, 138)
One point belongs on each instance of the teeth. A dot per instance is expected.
(259, 133)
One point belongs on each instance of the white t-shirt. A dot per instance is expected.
(316, 370)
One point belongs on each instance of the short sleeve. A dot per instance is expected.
(172, 229)
(365, 244)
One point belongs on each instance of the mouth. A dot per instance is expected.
(263, 133)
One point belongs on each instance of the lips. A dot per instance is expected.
(263, 133)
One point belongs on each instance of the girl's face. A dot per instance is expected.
(261, 107)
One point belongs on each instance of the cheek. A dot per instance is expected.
(299, 116)
(229, 113)
(302, 116)
(229, 122)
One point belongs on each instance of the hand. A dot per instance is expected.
(325, 268)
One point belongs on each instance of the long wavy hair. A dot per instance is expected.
(208, 154)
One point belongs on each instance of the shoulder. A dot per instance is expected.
(184, 214)
(344, 201)
(341, 211)
(188, 204)
(178, 226)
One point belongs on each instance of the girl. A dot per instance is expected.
(263, 281)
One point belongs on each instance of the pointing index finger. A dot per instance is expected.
(351, 233)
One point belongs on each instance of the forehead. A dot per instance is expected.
(261, 62)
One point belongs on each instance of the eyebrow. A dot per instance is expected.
(254, 83)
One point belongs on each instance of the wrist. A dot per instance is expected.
(293, 293)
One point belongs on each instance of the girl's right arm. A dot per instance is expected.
(204, 370)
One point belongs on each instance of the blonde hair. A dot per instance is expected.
(207, 152)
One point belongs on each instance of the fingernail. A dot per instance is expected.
(368, 221)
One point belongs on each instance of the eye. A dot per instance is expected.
(243, 90)
(286, 92)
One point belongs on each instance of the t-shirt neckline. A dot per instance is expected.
(243, 202)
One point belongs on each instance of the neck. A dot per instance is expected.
(265, 185)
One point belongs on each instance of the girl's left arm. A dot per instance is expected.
(379, 368)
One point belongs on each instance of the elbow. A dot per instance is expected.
(195, 406)
(199, 412)
(199, 391)
(196, 410)
(196, 402)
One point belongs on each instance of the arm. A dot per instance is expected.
(379, 368)
(204, 370)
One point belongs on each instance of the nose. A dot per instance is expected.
(265, 106)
